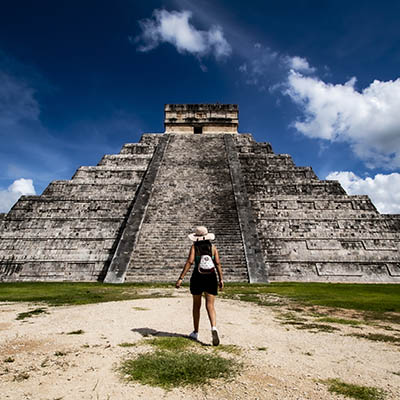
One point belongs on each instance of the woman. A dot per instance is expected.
(203, 280)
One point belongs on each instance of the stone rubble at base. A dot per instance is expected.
(127, 219)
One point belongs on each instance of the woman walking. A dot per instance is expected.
(204, 278)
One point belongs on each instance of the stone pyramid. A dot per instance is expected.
(127, 219)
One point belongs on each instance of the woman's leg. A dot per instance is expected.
(196, 311)
(210, 299)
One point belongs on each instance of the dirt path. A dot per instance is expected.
(40, 361)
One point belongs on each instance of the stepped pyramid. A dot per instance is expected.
(127, 219)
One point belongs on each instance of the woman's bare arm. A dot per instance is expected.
(219, 269)
(186, 268)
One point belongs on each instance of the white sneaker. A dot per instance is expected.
(194, 335)
(215, 337)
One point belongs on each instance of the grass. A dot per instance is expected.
(171, 343)
(60, 353)
(168, 369)
(9, 360)
(312, 326)
(354, 391)
(28, 314)
(342, 321)
(291, 318)
(173, 363)
(229, 348)
(74, 293)
(377, 301)
(127, 344)
(377, 337)
(365, 297)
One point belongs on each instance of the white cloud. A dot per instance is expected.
(17, 102)
(382, 189)
(368, 120)
(18, 188)
(298, 64)
(174, 28)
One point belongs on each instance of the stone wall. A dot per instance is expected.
(311, 230)
(70, 232)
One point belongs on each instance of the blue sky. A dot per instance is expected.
(319, 80)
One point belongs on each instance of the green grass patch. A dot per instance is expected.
(342, 321)
(60, 353)
(312, 327)
(171, 343)
(377, 337)
(262, 348)
(168, 369)
(229, 348)
(9, 360)
(290, 316)
(366, 297)
(380, 301)
(31, 313)
(354, 391)
(78, 332)
(127, 344)
(59, 293)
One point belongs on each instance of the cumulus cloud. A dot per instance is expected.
(174, 28)
(368, 120)
(297, 63)
(17, 101)
(18, 188)
(382, 189)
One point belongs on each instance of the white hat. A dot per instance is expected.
(201, 233)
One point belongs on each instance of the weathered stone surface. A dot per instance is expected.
(311, 230)
(71, 231)
(128, 217)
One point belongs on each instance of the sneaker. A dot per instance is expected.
(194, 335)
(215, 337)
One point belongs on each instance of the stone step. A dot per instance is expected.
(56, 243)
(190, 190)
(125, 160)
(87, 190)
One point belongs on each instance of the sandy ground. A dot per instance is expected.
(280, 361)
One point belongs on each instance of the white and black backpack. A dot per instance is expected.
(206, 264)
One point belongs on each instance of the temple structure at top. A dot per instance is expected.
(127, 219)
(201, 118)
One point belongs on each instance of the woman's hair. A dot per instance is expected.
(202, 247)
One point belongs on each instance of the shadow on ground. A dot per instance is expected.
(146, 332)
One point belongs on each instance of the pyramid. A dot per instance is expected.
(127, 219)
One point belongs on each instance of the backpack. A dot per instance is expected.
(206, 264)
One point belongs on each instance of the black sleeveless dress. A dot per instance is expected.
(200, 283)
